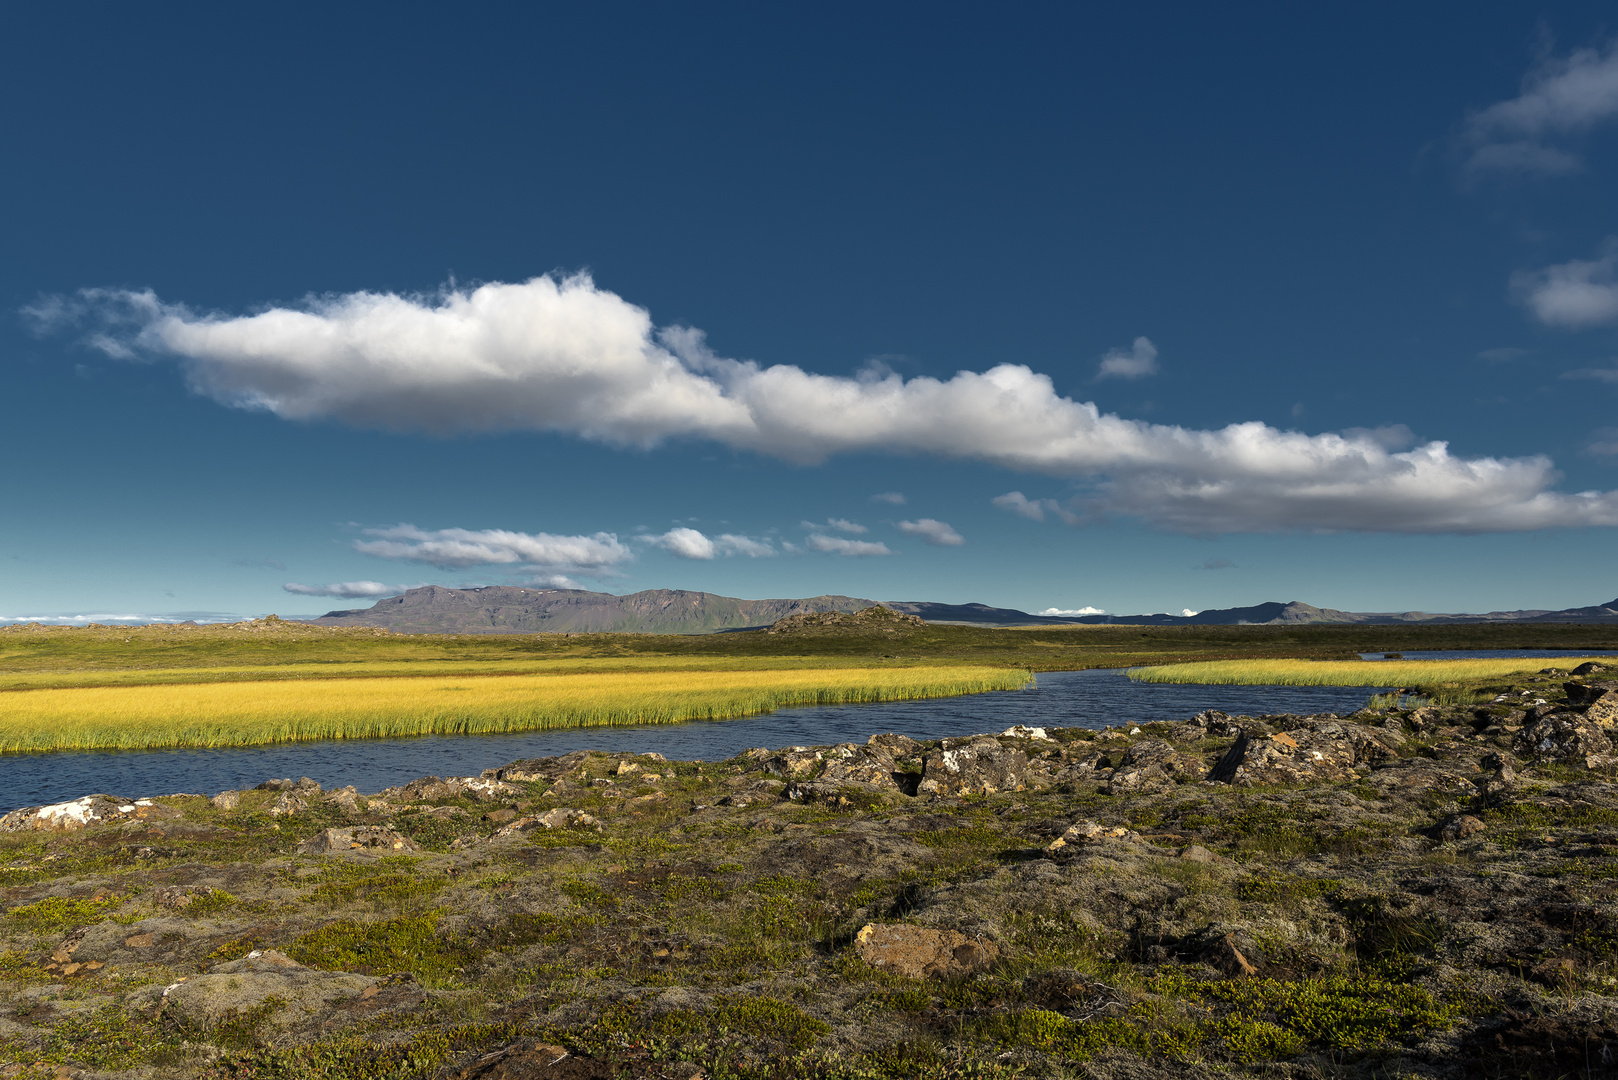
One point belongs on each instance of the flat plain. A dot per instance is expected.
(1418, 893)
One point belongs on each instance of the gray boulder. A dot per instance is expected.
(979, 766)
(437, 789)
(1151, 766)
(81, 813)
(245, 987)
(1600, 700)
(872, 766)
(1318, 750)
(288, 805)
(560, 818)
(359, 839)
(1564, 735)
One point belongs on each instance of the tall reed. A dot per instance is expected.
(250, 713)
(1345, 672)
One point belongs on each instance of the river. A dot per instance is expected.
(1094, 699)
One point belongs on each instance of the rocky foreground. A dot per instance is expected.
(1408, 893)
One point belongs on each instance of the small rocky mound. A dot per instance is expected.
(871, 620)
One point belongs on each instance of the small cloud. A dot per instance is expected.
(892, 498)
(1560, 98)
(457, 549)
(1503, 355)
(1603, 443)
(933, 532)
(837, 524)
(691, 544)
(555, 581)
(686, 543)
(1215, 564)
(1298, 409)
(1599, 374)
(732, 544)
(1018, 503)
(1138, 362)
(1574, 295)
(1186, 613)
(1033, 509)
(836, 545)
(346, 590)
(1073, 611)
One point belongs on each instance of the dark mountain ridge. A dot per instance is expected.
(1267, 614)
(506, 609)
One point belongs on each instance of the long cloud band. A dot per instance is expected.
(562, 355)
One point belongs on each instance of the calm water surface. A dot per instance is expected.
(1093, 699)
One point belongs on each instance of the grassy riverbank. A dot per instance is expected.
(1412, 673)
(253, 713)
(1432, 896)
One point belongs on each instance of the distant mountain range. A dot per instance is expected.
(504, 609)
(1270, 614)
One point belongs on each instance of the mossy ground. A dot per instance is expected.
(712, 921)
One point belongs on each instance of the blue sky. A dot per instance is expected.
(1146, 309)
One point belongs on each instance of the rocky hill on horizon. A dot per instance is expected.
(508, 609)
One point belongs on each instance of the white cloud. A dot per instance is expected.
(837, 545)
(932, 532)
(1186, 613)
(1018, 503)
(1599, 374)
(563, 355)
(554, 581)
(1572, 295)
(686, 543)
(1074, 611)
(1603, 443)
(691, 544)
(347, 590)
(892, 498)
(1033, 509)
(459, 548)
(837, 524)
(1560, 97)
(1139, 361)
(731, 544)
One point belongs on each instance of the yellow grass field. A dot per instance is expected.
(1423, 673)
(250, 713)
(368, 669)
